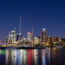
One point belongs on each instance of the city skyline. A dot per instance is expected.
(38, 14)
(32, 32)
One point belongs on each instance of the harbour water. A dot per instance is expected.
(48, 56)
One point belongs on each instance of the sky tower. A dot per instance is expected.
(19, 35)
(20, 26)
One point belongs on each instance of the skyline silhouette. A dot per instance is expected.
(36, 13)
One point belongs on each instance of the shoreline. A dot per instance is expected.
(20, 48)
(29, 47)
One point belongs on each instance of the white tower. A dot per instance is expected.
(19, 35)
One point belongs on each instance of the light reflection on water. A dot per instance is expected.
(36, 56)
(43, 58)
(32, 57)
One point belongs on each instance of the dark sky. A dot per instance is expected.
(49, 14)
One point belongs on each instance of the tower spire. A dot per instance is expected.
(20, 26)
(20, 35)
(32, 35)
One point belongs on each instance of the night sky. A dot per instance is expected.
(39, 14)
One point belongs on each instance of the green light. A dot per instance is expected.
(2, 52)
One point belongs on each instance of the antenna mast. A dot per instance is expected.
(32, 35)
(20, 35)
(20, 26)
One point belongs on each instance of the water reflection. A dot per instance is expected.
(2, 57)
(36, 56)
(7, 56)
(20, 55)
(14, 57)
(24, 61)
(43, 58)
(32, 57)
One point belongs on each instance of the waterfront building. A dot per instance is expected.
(12, 36)
(54, 39)
(6, 40)
(10, 42)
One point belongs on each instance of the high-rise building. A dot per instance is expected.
(29, 37)
(6, 40)
(12, 36)
(18, 38)
(36, 40)
(44, 36)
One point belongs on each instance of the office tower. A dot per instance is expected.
(12, 36)
(18, 38)
(29, 37)
(36, 40)
(43, 35)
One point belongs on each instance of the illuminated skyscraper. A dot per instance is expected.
(29, 37)
(12, 36)
(44, 36)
